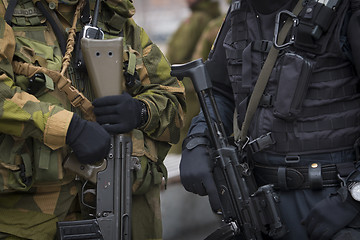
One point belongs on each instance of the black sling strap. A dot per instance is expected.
(55, 24)
(10, 11)
(85, 14)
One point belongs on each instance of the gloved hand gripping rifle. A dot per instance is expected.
(113, 177)
(248, 211)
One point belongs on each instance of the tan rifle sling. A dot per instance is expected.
(76, 98)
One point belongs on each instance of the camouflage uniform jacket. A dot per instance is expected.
(33, 126)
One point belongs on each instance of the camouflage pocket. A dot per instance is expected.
(148, 175)
(15, 164)
(151, 172)
(38, 53)
(143, 145)
(47, 164)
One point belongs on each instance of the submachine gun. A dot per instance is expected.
(113, 177)
(249, 212)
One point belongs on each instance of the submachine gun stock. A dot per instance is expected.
(113, 177)
(249, 212)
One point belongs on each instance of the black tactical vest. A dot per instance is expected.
(311, 102)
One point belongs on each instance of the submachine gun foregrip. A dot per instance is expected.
(248, 211)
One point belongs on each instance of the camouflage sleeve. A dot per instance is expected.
(22, 114)
(183, 42)
(207, 38)
(163, 94)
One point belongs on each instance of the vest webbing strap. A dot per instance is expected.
(265, 74)
(76, 98)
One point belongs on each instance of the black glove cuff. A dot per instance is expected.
(75, 127)
(195, 140)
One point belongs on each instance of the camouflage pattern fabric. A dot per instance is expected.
(182, 43)
(33, 126)
(180, 49)
(207, 38)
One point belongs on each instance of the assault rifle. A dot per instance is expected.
(248, 211)
(113, 177)
(113, 195)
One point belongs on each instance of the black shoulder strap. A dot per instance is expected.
(55, 24)
(10, 11)
(85, 14)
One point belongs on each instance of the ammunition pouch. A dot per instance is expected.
(47, 165)
(316, 21)
(25, 163)
(293, 81)
(15, 164)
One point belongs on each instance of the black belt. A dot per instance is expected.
(313, 176)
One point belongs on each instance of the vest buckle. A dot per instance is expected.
(277, 27)
(261, 142)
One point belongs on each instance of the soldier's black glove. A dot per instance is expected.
(330, 216)
(196, 169)
(120, 113)
(89, 141)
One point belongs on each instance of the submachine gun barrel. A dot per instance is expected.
(248, 211)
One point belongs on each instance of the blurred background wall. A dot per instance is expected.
(185, 215)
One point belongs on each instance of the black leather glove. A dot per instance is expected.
(196, 169)
(120, 113)
(330, 216)
(89, 141)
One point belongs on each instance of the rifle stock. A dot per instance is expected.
(248, 211)
(104, 61)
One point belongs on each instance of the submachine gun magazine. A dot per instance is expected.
(248, 211)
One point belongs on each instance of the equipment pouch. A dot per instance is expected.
(293, 75)
(37, 53)
(15, 164)
(149, 174)
(317, 22)
(152, 170)
(47, 164)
